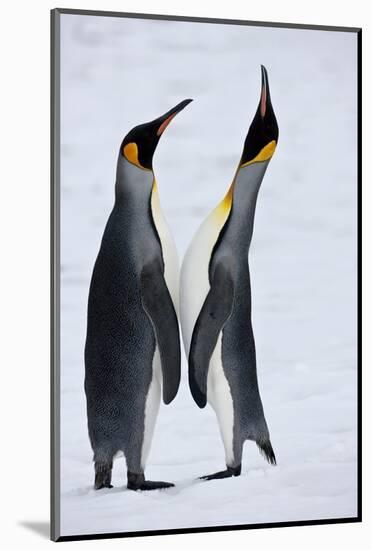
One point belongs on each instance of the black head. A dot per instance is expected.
(140, 143)
(262, 136)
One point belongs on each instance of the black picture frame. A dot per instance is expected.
(55, 273)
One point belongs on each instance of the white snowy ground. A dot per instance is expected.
(117, 73)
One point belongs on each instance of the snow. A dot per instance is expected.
(117, 73)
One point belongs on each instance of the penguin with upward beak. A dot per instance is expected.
(215, 301)
(132, 349)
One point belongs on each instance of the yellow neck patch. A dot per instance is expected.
(265, 154)
(155, 198)
(225, 205)
(154, 187)
(131, 154)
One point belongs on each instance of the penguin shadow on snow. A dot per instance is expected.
(179, 487)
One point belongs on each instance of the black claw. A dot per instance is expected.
(229, 472)
(137, 482)
(150, 486)
(100, 485)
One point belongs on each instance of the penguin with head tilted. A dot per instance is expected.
(215, 301)
(132, 350)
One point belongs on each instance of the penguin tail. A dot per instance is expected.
(266, 449)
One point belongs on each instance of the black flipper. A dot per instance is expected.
(214, 313)
(159, 307)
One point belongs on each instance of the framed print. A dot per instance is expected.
(205, 186)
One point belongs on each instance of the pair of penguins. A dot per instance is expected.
(132, 351)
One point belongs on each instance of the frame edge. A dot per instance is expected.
(54, 274)
(56, 13)
(215, 20)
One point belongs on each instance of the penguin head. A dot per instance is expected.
(262, 137)
(140, 143)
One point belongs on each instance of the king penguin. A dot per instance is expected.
(132, 349)
(215, 301)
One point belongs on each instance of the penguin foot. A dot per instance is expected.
(229, 472)
(137, 482)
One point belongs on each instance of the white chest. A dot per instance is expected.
(168, 249)
(194, 287)
(194, 277)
